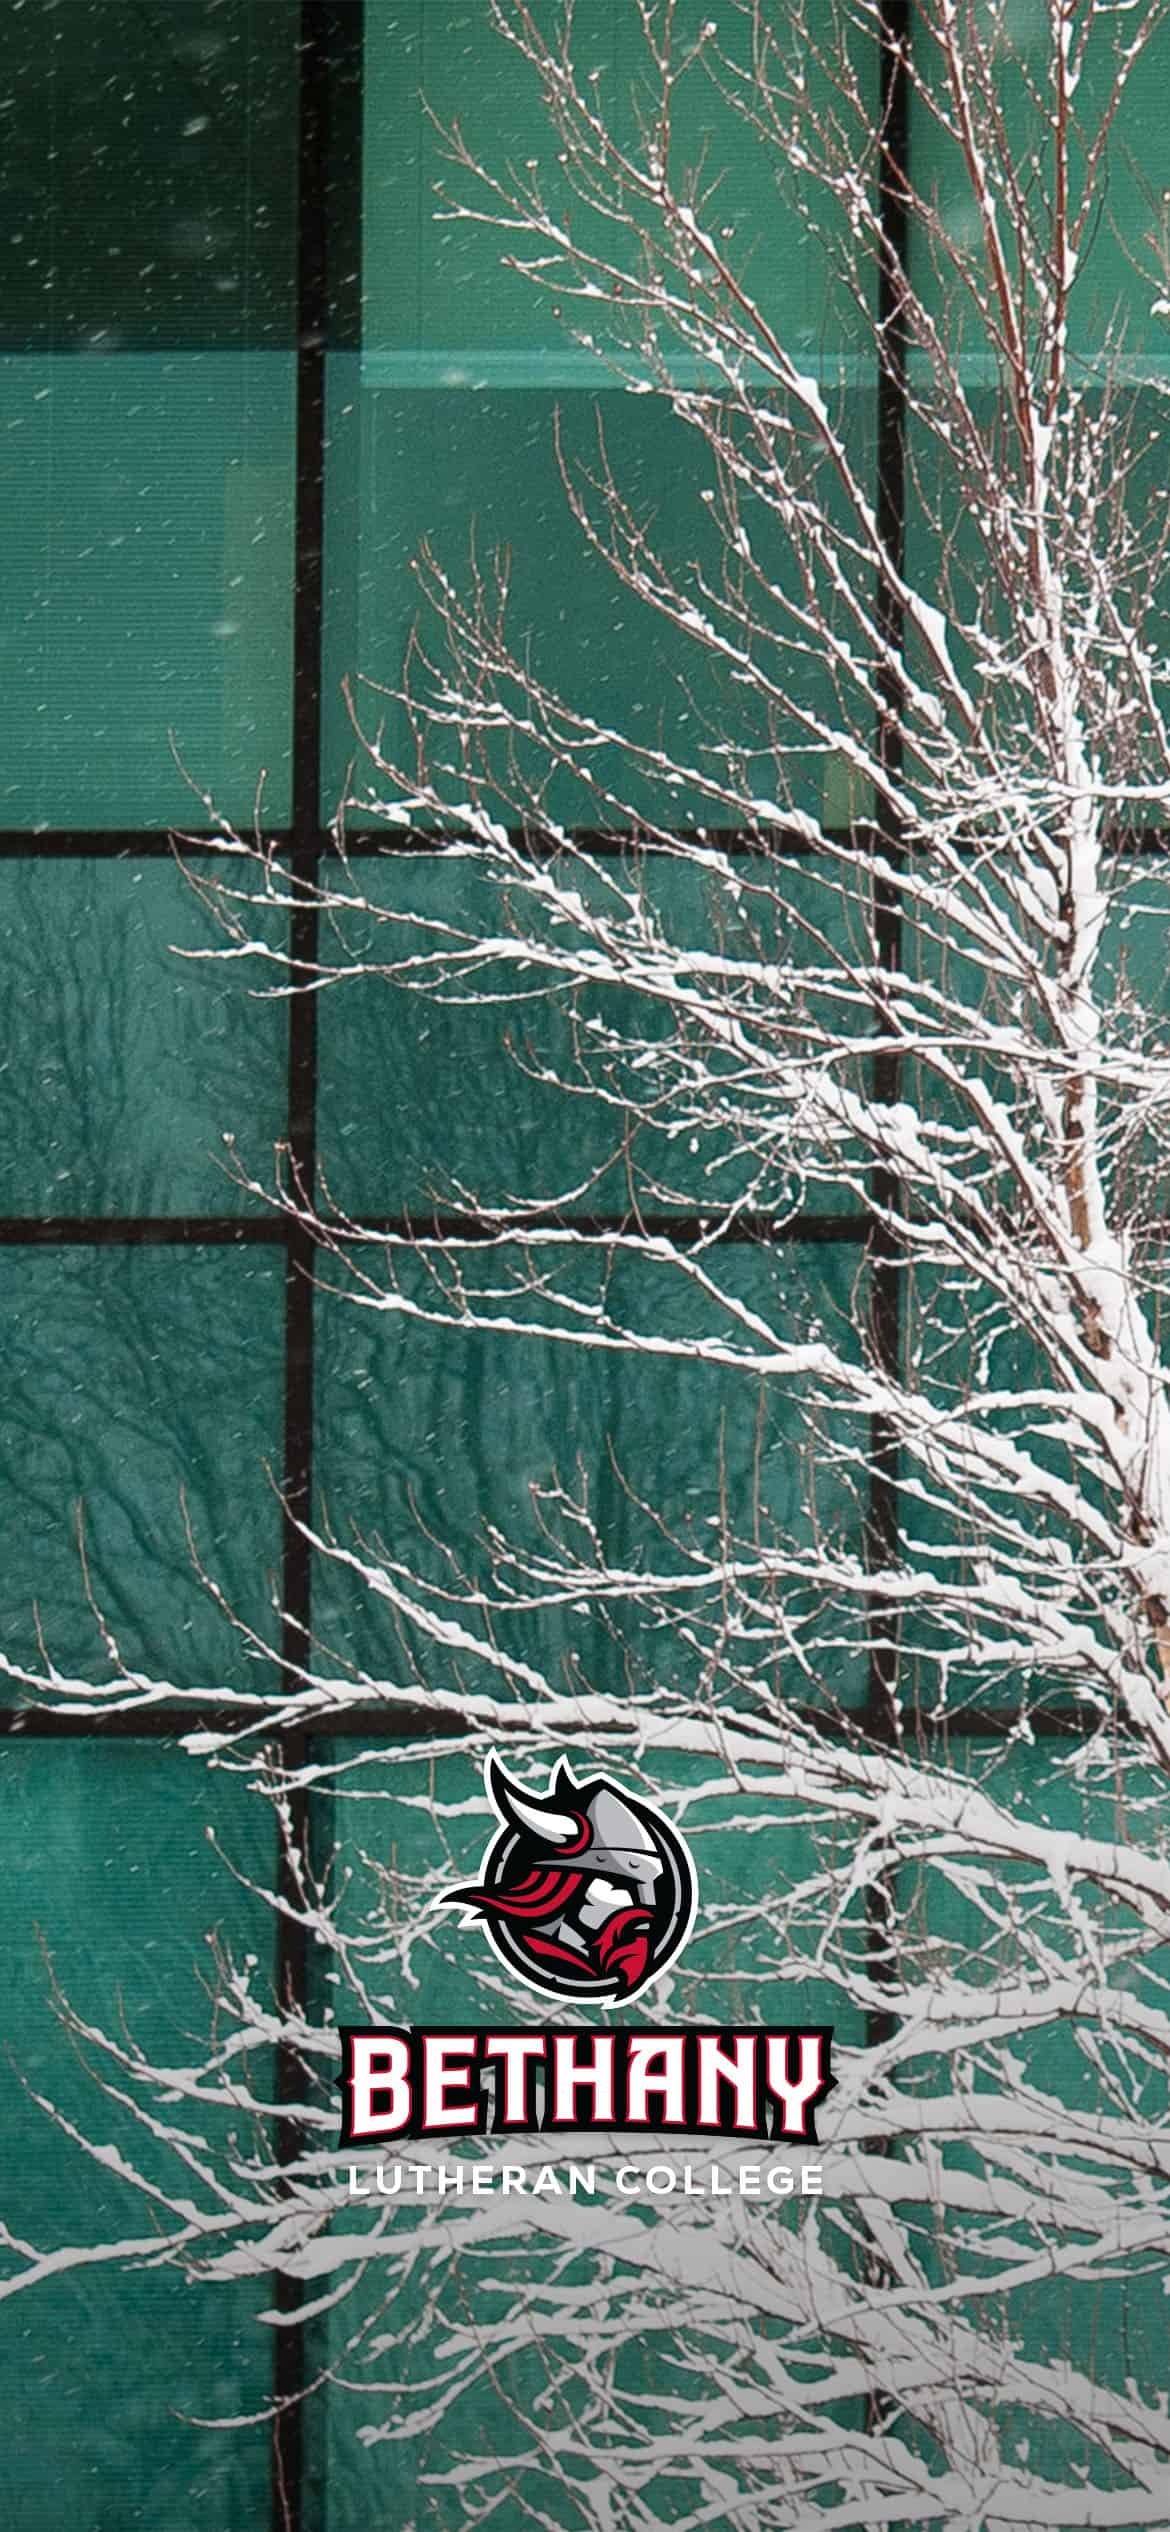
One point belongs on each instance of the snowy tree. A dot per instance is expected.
(868, 916)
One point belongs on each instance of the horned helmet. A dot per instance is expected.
(535, 1896)
(592, 1827)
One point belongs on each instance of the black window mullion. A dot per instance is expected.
(421, 1721)
(881, 1714)
(886, 1249)
(291, 1964)
(176, 1230)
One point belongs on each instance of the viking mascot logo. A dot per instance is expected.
(586, 1891)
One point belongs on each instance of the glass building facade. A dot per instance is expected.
(244, 373)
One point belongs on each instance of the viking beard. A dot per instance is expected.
(548, 1914)
(618, 1949)
(623, 1946)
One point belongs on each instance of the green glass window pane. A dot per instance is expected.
(148, 187)
(1119, 294)
(965, 1350)
(987, 1921)
(432, 284)
(1133, 941)
(962, 1353)
(135, 1378)
(428, 1435)
(1134, 970)
(955, 556)
(408, 1824)
(428, 1100)
(1116, 280)
(451, 409)
(110, 1886)
(1131, 989)
(436, 461)
(145, 622)
(127, 1064)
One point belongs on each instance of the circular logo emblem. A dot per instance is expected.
(585, 1891)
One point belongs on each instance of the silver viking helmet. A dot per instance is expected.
(618, 1842)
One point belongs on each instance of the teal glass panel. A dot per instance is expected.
(428, 1435)
(1117, 278)
(1068, 1961)
(964, 1354)
(128, 1065)
(446, 427)
(966, 1350)
(137, 1378)
(431, 284)
(147, 411)
(957, 562)
(148, 184)
(477, 474)
(409, 1824)
(1131, 990)
(112, 2377)
(146, 618)
(1135, 981)
(540, 1092)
